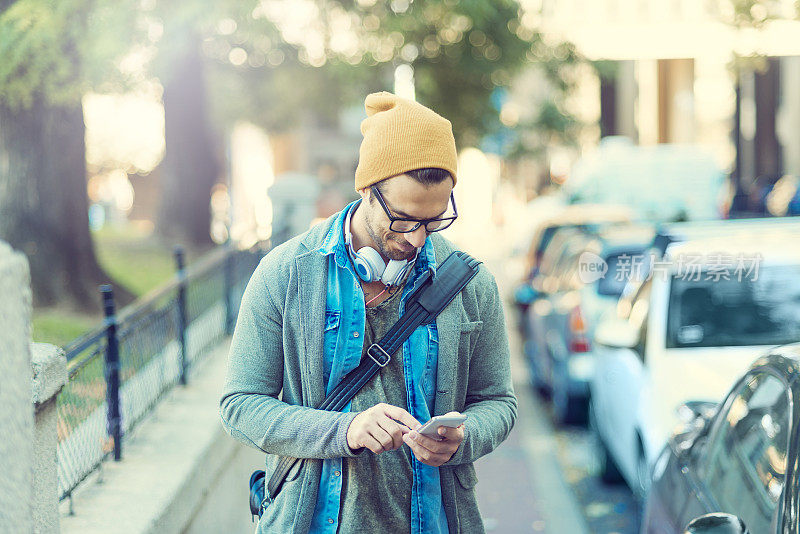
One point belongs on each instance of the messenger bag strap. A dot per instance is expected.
(429, 296)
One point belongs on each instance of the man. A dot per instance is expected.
(315, 304)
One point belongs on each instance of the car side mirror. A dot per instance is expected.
(691, 411)
(693, 417)
(616, 333)
(717, 523)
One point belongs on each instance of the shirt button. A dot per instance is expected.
(336, 473)
(330, 520)
(355, 334)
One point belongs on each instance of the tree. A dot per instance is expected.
(281, 66)
(191, 166)
(267, 64)
(51, 54)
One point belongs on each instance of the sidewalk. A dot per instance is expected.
(520, 485)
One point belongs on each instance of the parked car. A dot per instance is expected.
(678, 338)
(740, 458)
(581, 296)
(585, 216)
(562, 251)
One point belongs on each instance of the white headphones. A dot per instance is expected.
(369, 264)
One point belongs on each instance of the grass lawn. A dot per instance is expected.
(134, 257)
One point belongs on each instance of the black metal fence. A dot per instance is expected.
(119, 371)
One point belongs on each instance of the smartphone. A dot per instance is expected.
(431, 428)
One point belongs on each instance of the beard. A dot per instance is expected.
(383, 244)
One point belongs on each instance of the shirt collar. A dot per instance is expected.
(334, 244)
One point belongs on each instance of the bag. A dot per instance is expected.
(256, 492)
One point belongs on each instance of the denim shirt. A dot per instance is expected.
(343, 342)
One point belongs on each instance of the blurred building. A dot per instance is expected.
(689, 71)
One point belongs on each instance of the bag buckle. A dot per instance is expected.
(379, 353)
(266, 501)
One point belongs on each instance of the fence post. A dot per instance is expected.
(183, 357)
(228, 285)
(113, 418)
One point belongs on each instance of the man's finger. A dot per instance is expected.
(419, 451)
(424, 455)
(452, 433)
(401, 415)
(394, 429)
(383, 437)
(433, 445)
(373, 444)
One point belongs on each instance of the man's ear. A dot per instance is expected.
(364, 195)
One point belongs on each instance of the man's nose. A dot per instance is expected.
(417, 237)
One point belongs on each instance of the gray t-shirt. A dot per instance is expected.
(376, 488)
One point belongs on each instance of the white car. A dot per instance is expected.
(678, 338)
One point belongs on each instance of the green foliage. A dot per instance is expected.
(136, 260)
(461, 50)
(61, 49)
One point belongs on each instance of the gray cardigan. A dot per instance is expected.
(275, 376)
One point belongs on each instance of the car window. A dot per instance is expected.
(745, 468)
(620, 270)
(728, 310)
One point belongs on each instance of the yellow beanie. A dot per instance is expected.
(401, 135)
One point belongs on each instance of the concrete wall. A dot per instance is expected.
(32, 375)
(49, 366)
(16, 411)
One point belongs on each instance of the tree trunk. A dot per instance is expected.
(191, 168)
(44, 205)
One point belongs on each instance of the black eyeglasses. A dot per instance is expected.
(404, 225)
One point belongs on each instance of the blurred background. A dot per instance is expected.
(129, 124)
(609, 127)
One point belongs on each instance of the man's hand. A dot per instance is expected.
(380, 428)
(436, 452)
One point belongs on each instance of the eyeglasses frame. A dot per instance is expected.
(419, 222)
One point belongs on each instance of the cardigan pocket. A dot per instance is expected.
(465, 473)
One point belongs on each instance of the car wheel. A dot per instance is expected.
(609, 472)
(534, 372)
(568, 409)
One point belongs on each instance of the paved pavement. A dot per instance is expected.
(521, 486)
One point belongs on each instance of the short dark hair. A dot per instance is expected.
(427, 177)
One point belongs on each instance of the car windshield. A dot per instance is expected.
(735, 310)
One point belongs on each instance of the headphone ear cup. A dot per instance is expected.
(369, 264)
(394, 272)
